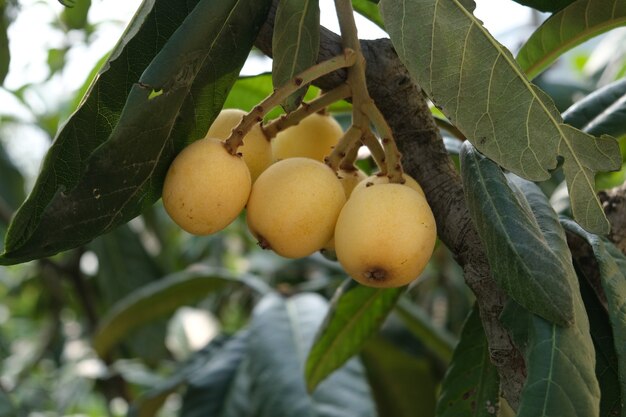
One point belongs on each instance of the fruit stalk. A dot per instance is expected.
(291, 119)
(363, 105)
(349, 140)
(347, 164)
(280, 94)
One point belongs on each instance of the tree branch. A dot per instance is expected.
(424, 158)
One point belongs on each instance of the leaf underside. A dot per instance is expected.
(545, 5)
(295, 43)
(108, 162)
(481, 89)
(523, 262)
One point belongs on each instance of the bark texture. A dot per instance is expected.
(404, 106)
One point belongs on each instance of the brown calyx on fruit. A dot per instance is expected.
(263, 243)
(375, 274)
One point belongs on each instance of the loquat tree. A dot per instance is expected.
(452, 255)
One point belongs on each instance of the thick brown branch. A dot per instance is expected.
(424, 157)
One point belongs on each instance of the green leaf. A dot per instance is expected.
(5, 53)
(75, 17)
(606, 358)
(601, 112)
(161, 298)
(437, 340)
(295, 43)
(403, 385)
(569, 27)
(471, 387)
(281, 333)
(356, 313)
(369, 10)
(522, 261)
(612, 265)
(560, 361)
(124, 266)
(109, 161)
(11, 190)
(212, 384)
(480, 88)
(545, 5)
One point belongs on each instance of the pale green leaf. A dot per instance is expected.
(480, 88)
(471, 386)
(355, 314)
(522, 260)
(612, 265)
(569, 27)
(369, 10)
(295, 43)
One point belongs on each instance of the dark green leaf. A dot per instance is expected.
(559, 360)
(571, 26)
(5, 54)
(471, 387)
(356, 313)
(601, 112)
(438, 340)
(369, 10)
(612, 265)
(11, 190)
(295, 43)
(124, 266)
(545, 5)
(160, 298)
(109, 161)
(606, 358)
(211, 385)
(75, 17)
(480, 88)
(281, 333)
(403, 385)
(523, 262)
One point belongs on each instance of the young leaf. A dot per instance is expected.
(612, 265)
(601, 112)
(161, 298)
(369, 10)
(471, 387)
(560, 361)
(355, 314)
(522, 260)
(295, 43)
(281, 334)
(569, 27)
(109, 160)
(481, 89)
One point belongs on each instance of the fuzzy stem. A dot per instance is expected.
(280, 94)
(319, 103)
(347, 164)
(392, 154)
(377, 151)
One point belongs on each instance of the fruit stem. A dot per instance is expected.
(347, 59)
(349, 140)
(376, 149)
(364, 109)
(317, 104)
(347, 164)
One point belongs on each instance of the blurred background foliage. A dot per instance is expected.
(51, 309)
